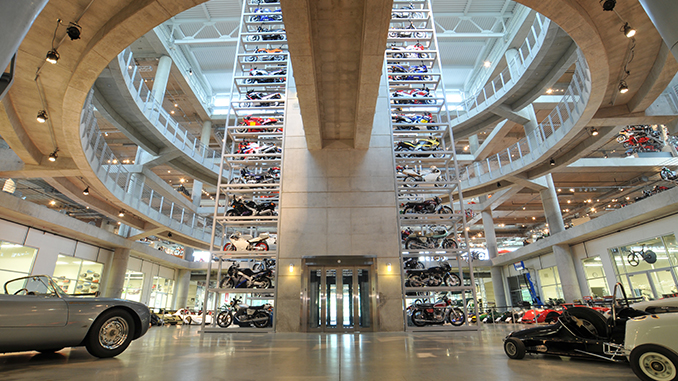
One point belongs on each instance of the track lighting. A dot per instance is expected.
(52, 56)
(42, 116)
(608, 5)
(190, 71)
(552, 162)
(53, 156)
(623, 87)
(121, 213)
(86, 191)
(594, 132)
(628, 30)
(73, 31)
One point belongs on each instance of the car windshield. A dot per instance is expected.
(32, 285)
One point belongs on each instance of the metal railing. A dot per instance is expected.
(534, 144)
(515, 69)
(161, 119)
(131, 188)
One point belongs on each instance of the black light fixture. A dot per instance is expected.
(594, 132)
(54, 155)
(605, 155)
(623, 87)
(498, 184)
(52, 56)
(608, 5)
(42, 116)
(121, 213)
(552, 162)
(628, 30)
(73, 31)
(169, 234)
(86, 191)
(190, 71)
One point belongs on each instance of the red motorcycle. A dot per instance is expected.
(252, 121)
(409, 51)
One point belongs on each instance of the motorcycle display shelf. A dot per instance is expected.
(427, 182)
(248, 189)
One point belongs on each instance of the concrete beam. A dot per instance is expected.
(494, 140)
(659, 76)
(520, 117)
(14, 133)
(621, 116)
(538, 184)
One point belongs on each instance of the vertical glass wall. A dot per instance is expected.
(134, 283)
(595, 277)
(77, 276)
(161, 293)
(550, 284)
(15, 261)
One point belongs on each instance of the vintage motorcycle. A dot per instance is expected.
(436, 276)
(265, 14)
(240, 208)
(267, 54)
(273, 35)
(403, 13)
(668, 175)
(236, 277)
(259, 96)
(409, 32)
(412, 148)
(270, 176)
(412, 176)
(240, 242)
(412, 97)
(244, 315)
(263, 76)
(412, 263)
(430, 206)
(439, 238)
(265, 264)
(439, 312)
(409, 51)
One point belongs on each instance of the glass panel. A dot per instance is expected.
(364, 318)
(314, 298)
(331, 294)
(89, 277)
(347, 297)
(641, 286)
(546, 277)
(598, 287)
(593, 267)
(134, 282)
(672, 248)
(17, 258)
(664, 283)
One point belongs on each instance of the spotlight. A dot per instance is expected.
(498, 185)
(623, 87)
(552, 162)
(86, 191)
(605, 155)
(190, 71)
(487, 63)
(594, 132)
(628, 30)
(169, 234)
(73, 31)
(42, 116)
(121, 213)
(608, 5)
(52, 56)
(53, 156)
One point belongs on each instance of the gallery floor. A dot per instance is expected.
(180, 353)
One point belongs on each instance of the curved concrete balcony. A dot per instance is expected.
(133, 192)
(537, 145)
(126, 100)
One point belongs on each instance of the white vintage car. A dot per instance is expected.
(651, 344)
(188, 317)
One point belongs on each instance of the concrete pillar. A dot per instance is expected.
(473, 144)
(196, 191)
(115, 279)
(532, 124)
(492, 250)
(567, 272)
(188, 253)
(181, 289)
(510, 55)
(161, 78)
(549, 198)
(663, 14)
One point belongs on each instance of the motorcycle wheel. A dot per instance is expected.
(456, 317)
(409, 210)
(415, 281)
(418, 315)
(450, 244)
(226, 283)
(392, 35)
(419, 35)
(414, 244)
(397, 55)
(265, 283)
(261, 246)
(445, 210)
(251, 58)
(632, 259)
(451, 280)
(229, 247)
(620, 138)
(410, 181)
(262, 319)
(252, 38)
(441, 179)
(231, 213)
(224, 319)
(251, 81)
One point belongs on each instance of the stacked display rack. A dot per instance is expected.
(427, 182)
(249, 187)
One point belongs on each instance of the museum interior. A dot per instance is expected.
(428, 174)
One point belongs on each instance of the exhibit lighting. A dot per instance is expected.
(291, 267)
(86, 191)
(42, 116)
(53, 156)
(52, 56)
(594, 132)
(552, 162)
(388, 267)
(73, 31)
(608, 5)
(628, 30)
(623, 87)
(121, 213)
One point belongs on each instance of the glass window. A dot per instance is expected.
(549, 279)
(595, 277)
(161, 293)
(15, 261)
(134, 283)
(77, 276)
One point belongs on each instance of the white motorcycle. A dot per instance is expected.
(433, 175)
(240, 242)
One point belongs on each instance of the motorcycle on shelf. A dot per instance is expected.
(236, 277)
(409, 51)
(668, 175)
(257, 150)
(240, 208)
(270, 176)
(412, 177)
(419, 148)
(412, 263)
(265, 14)
(439, 238)
(430, 206)
(267, 54)
(403, 13)
(264, 264)
(264, 76)
(244, 315)
(260, 96)
(408, 73)
(413, 97)
(407, 122)
(440, 312)
(240, 242)
(409, 32)
(275, 35)
(437, 276)
(250, 124)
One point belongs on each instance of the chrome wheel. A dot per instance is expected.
(113, 333)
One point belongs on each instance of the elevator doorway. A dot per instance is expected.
(339, 298)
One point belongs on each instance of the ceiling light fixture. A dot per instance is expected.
(628, 30)
(608, 5)
(121, 213)
(623, 87)
(42, 116)
(594, 132)
(552, 162)
(52, 56)
(73, 31)
(86, 191)
(487, 63)
(190, 71)
(53, 156)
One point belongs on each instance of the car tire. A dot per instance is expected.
(111, 333)
(593, 321)
(651, 362)
(514, 348)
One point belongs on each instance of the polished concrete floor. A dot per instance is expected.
(181, 353)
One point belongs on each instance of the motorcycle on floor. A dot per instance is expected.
(244, 315)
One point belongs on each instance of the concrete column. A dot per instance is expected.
(492, 250)
(161, 78)
(567, 272)
(196, 192)
(181, 289)
(473, 144)
(510, 55)
(188, 253)
(115, 279)
(549, 198)
(663, 14)
(532, 124)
